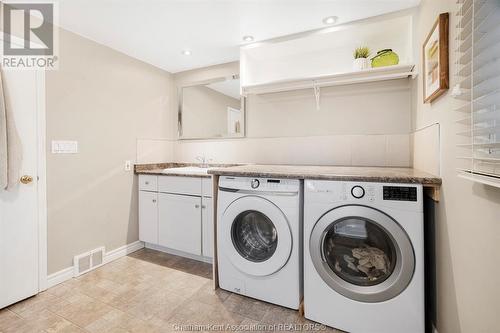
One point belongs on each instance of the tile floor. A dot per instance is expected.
(147, 291)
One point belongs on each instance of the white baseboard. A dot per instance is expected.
(59, 277)
(178, 253)
(122, 251)
(68, 273)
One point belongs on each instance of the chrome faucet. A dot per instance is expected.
(203, 161)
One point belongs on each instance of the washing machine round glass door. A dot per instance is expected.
(362, 253)
(256, 236)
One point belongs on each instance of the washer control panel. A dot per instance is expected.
(255, 183)
(259, 184)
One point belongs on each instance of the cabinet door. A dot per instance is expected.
(180, 222)
(208, 227)
(148, 217)
(206, 187)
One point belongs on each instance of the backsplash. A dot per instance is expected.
(356, 150)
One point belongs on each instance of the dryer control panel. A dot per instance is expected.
(400, 193)
(358, 191)
(362, 193)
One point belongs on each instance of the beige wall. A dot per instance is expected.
(361, 109)
(105, 100)
(468, 215)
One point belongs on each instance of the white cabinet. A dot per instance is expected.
(206, 187)
(148, 217)
(180, 222)
(176, 214)
(207, 228)
(148, 183)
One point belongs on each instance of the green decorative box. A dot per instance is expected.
(385, 57)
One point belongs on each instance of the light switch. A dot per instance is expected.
(64, 147)
(128, 165)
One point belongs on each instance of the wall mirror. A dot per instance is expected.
(212, 109)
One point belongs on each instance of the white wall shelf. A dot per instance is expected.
(336, 79)
(324, 57)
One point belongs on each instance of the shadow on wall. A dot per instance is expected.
(440, 264)
(492, 194)
(133, 225)
(430, 263)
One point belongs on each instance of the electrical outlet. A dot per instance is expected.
(128, 165)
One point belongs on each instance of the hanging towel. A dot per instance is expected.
(4, 173)
(10, 145)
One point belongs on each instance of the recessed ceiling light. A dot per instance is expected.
(330, 20)
(248, 38)
(186, 52)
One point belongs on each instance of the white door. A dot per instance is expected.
(148, 217)
(234, 121)
(20, 226)
(179, 222)
(208, 227)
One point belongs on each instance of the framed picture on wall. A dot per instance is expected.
(435, 60)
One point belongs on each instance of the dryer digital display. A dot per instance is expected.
(400, 193)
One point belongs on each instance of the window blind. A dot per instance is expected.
(478, 87)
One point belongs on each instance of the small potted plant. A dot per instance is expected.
(361, 60)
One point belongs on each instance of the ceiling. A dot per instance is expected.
(157, 31)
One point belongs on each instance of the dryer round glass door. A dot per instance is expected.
(362, 253)
(255, 235)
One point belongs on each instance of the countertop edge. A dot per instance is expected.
(184, 174)
(431, 181)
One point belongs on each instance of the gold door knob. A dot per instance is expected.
(26, 179)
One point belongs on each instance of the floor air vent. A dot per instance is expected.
(88, 261)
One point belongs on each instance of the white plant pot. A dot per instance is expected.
(361, 63)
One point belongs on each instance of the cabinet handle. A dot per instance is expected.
(203, 206)
(154, 200)
(147, 183)
(196, 206)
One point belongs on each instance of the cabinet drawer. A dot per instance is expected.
(179, 185)
(148, 183)
(206, 187)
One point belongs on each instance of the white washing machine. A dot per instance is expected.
(259, 238)
(364, 256)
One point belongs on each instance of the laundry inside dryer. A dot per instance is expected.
(359, 251)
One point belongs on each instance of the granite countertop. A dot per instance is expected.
(158, 169)
(372, 174)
